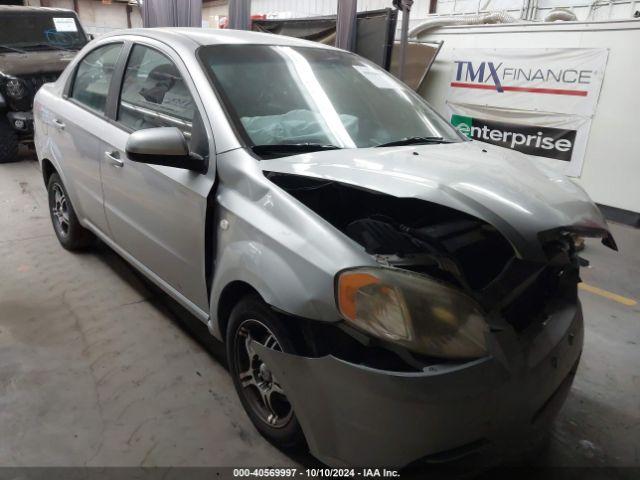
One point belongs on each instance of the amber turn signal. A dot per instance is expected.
(348, 285)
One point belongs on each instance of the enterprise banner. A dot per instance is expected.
(535, 140)
(537, 101)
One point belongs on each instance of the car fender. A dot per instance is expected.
(46, 149)
(256, 265)
(267, 239)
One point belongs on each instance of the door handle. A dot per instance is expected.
(114, 159)
(59, 124)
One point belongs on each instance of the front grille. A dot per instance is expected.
(33, 83)
(36, 81)
(533, 304)
(556, 285)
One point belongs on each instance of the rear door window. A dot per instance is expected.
(93, 77)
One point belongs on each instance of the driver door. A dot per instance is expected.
(157, 213)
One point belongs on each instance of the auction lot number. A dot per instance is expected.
(316, 472)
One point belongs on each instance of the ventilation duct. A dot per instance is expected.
(480, 19)
(560, 15)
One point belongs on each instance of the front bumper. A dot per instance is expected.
(353, 415)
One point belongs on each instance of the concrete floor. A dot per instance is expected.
(98, 368)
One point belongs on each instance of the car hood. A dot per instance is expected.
(506, 189)
(48, 61)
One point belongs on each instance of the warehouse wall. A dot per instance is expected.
(212, 11)
(96, 17)
(99, 18)
(584, 9)
(307, 8)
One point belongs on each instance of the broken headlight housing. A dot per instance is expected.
(421, 314)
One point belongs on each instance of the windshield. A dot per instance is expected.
(320, 98)
(35, 31)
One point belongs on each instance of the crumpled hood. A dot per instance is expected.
(504, 188)
(49, 61)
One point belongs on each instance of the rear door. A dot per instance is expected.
(75, 130)
(157, 214)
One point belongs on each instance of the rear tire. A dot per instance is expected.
(71, 235)
(8, 143)
(262, 397)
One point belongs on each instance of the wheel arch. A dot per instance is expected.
(48, 169)
(49, 165)
(230, 295)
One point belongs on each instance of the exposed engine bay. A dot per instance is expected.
(447, 245)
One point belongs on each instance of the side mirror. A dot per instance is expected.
(164, 146)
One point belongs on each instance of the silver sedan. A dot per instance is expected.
(387, 290)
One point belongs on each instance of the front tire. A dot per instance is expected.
(260, 393)
(71, 235)
(8, 143)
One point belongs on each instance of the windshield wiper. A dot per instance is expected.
(48, 46)
(12, 49)
(291, 148)
(414, 141)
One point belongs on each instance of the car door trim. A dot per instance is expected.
(175, 121)
(149, 274)
(117, 79)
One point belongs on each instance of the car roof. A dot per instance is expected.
(21, 9)
(213, 36)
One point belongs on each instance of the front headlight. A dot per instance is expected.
(412, 310)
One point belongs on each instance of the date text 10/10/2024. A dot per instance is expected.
(315, 473)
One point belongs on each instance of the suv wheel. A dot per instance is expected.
(260, 393)
(8, 142)
(70, 233)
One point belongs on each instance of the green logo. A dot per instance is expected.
(462, 123)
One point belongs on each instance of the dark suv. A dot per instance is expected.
(36, 44)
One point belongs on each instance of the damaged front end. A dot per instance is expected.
(434, 252)
(466, 333)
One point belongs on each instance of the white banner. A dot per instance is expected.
(537, 101)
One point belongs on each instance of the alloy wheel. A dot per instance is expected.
(60, 210)
(259, 385)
